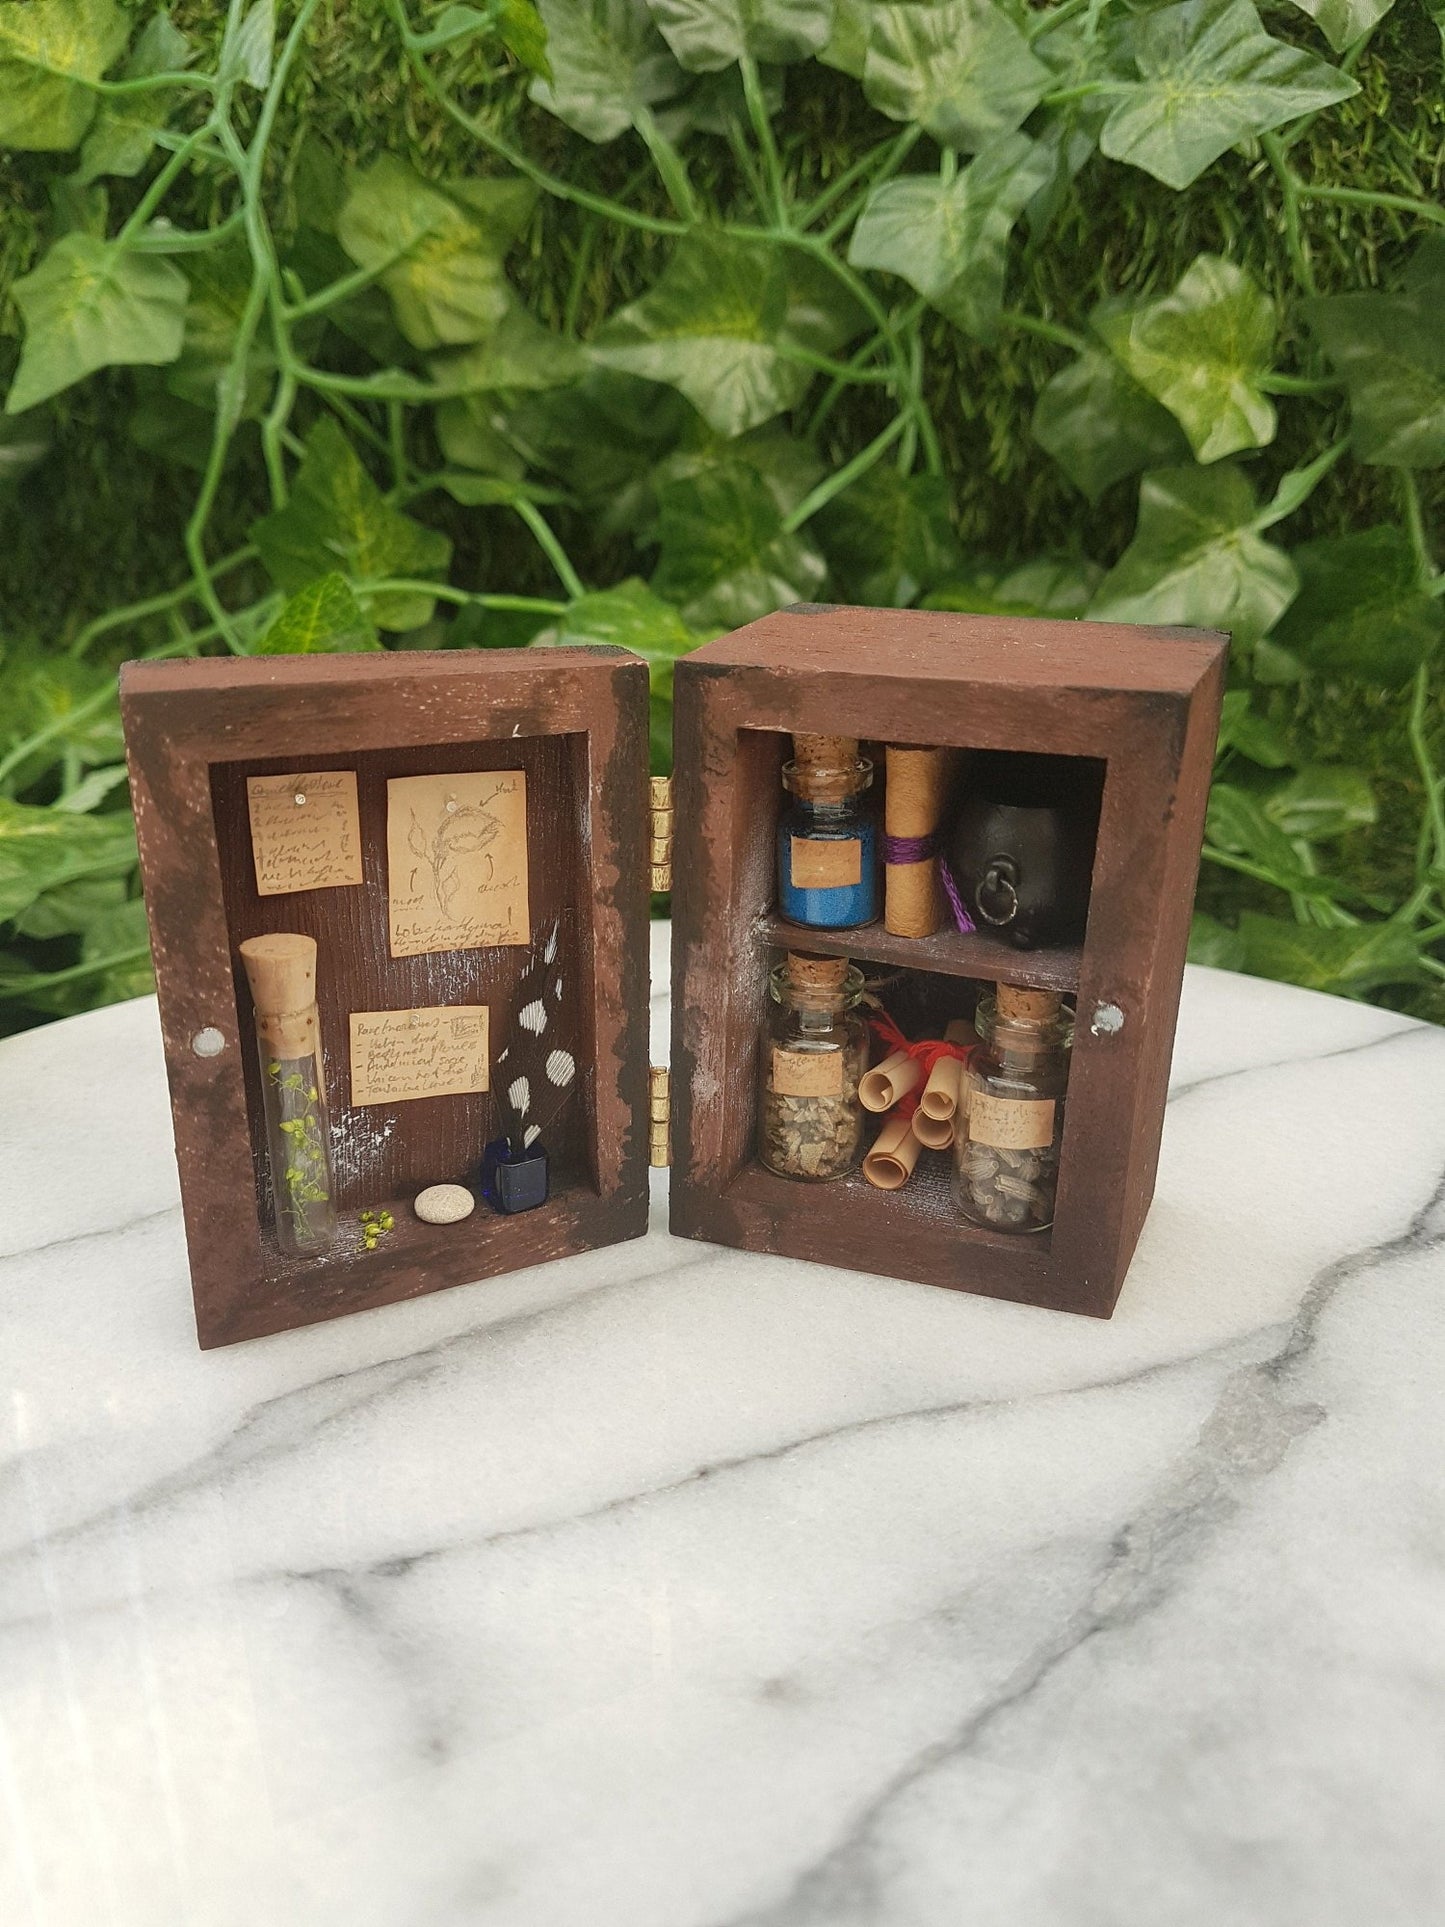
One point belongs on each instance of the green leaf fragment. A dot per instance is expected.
(1361, 610)
(1343, 21)
(1048, 586)
(518, 353)
(1100, 425)
(607, 61)
(246, 50)
(719, 323)
(50, 52)
(324, 618)
(949, 240)
(1195, 560)
(1257, 739)
(41, 849)
(1200, 352)
(961, 69)
(336, 519)
(725, 557)
(124, 131)
(437, 250)
(889, 537)
(1323, 800)
(91, 304)
(1209, 75)
(1347, 961)
(1390, 349)
(1214, 944)
(631, 616)
(707, 35)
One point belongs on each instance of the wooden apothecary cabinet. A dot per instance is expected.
(1143, 703)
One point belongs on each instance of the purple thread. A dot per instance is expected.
(909, 849)
(919, 849)
(961, 917)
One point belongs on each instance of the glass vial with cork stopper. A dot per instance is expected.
(1006, 1159)
(814, 1049)
(281, 970)
(827, 840)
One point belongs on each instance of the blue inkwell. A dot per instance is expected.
(827, 841)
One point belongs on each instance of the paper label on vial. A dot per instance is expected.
(826, 863)
(807, 1073)
(1011, 1123)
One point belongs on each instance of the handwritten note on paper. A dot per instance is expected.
(401, 1054)
(305, 831)
(456, 851)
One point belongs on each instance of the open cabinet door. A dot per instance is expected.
(200, 736)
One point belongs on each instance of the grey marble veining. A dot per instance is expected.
(674, 1588)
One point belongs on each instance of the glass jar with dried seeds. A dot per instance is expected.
(814, 1049)
(1006, 1160)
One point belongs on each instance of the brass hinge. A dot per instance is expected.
(659, 1107)
(661, 833)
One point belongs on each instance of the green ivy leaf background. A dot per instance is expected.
(430, 325)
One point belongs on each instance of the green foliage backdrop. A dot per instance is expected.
(377, 323)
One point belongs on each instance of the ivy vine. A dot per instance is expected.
(359, 328)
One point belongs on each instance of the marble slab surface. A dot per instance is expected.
(672, 1587)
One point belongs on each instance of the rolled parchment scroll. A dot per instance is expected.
(939, 1097)
(918, 784)
(933, 1133)
(890, 1163)
(881, 1088)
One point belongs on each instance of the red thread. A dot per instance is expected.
(926, 1053)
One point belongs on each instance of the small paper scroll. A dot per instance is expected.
(305, 831)
(456, 850)
(401, 1054)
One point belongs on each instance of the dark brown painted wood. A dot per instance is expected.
(977, 955)
(1145, 702)
(576, 721)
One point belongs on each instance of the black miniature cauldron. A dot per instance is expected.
(1022, 848)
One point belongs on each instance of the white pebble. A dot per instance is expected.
(444, 1204)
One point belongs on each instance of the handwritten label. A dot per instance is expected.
(397, 1055)
(1011, 1123)
(807, 1073)
(305, 831)
(456, 851)
(826, 863)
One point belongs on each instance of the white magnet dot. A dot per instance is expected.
(300, 799)
(209, 1042)
(451, 806)
(1107, 1021)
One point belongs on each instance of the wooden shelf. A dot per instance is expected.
(948, 953)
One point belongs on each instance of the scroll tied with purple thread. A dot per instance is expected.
(919, 781)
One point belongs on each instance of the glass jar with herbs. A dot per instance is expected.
(814, 1049)
(1006, 1159)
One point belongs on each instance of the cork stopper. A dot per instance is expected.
(816, 973)
(825, 752)
(1017, 1005)
(281, 970)
(826, 768)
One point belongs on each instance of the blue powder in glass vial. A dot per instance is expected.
(827, 866)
